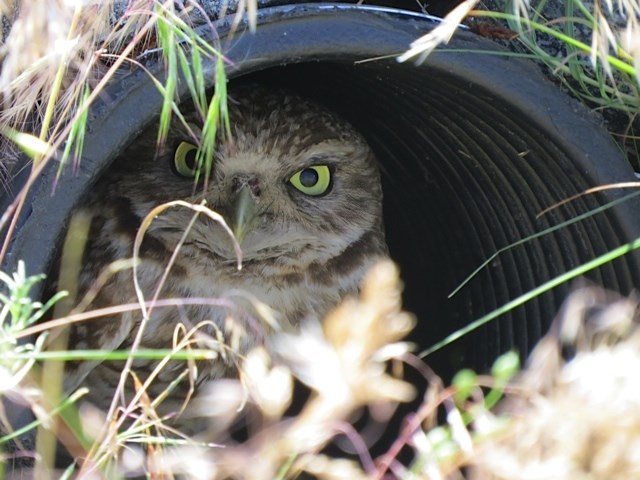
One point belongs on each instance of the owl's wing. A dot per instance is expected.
(77, 372)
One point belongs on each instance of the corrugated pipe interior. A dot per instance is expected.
(474, 144)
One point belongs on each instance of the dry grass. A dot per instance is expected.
(572, 413)
(344, 362)
(575, 411)
(601, 70)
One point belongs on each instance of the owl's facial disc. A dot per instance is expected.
(295, 183)
(243, 213)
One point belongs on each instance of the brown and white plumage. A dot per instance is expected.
(301, 253)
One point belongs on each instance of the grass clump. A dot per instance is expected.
(589, 47)
(574, 410)
(575, 400)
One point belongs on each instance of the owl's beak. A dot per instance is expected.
(243, 215)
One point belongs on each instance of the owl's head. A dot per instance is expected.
(294, 182)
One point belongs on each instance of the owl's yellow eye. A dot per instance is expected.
(185, 160)
(314, 180)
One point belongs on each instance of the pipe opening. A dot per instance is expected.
(472, 145)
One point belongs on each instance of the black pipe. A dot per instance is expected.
(473, 145)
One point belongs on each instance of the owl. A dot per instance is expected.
(300, 190)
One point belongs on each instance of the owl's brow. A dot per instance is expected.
(330, 159)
